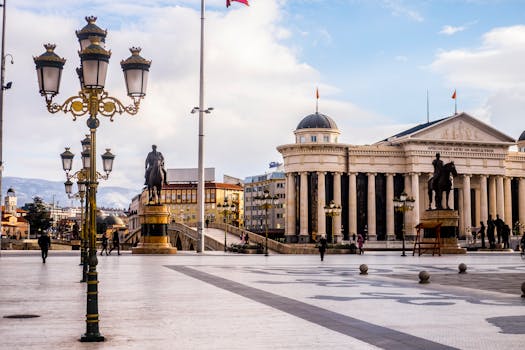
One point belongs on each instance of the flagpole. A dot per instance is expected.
(200, 184)
(455, 103)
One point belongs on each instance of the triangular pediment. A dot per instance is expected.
(461, 128)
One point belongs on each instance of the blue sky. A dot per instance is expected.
(373, 62)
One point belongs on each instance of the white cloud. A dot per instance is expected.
(451, 30)
(494, 69)
(258, 87)
(398, 8)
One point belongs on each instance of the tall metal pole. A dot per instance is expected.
(92, 317)
(2, 79)
(200, 184)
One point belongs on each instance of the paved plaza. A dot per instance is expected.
(231, 301)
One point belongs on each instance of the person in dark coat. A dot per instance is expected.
(322, 246)
(500, 226)
(490, 232)
(505, 234)
(360, 243)
(104, 245)
(116, 242)
(44, 242)
(482, 234)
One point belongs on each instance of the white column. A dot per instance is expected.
(321, 202)
(352, 203)
(508, 202)
(467, 215)
(492, 197)
(500, 198)
(303, 220)
(290, 204)
(407, 218)
(372, 206)
(451, 197)
(461, 206)
(415, 194)
(522, 202)
(483, 203)
(337, 200)
(390, 207)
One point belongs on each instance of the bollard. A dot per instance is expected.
(424, 277)
(462, 268)
(364, 269)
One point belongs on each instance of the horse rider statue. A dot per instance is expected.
(153, 157)
(438, 167)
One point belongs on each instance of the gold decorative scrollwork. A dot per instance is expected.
(81, 104)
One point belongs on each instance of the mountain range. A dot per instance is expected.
(54, 192)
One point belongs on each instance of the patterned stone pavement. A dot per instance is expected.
(230, 301)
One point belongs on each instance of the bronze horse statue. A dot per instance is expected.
(155, 181)
(440, 184)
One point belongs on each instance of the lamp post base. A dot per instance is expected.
(91, 338)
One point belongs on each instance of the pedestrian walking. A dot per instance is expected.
(104, 244)
(116, 242)
(482, 234)
(44, 242)
(360, 243)
(322, 246)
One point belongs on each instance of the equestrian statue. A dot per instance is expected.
(440, 182)
(155, 175)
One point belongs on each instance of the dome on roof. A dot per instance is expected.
(10, 190)
(522, 137)
(317, 121)
(113, 220)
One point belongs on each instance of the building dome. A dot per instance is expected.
(317, 121)
(522, 137)
(10, 192)
(113, 220)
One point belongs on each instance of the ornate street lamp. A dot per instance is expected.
(92, 100)
(402, 204)
(332, 210)
(266, 201)
(226, 210)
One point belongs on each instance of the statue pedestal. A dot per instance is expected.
(154, 232)
(449, 220)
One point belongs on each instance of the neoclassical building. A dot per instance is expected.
(364, 179)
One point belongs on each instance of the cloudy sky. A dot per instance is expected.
(373, 61)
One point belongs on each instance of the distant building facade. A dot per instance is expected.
(14, 225)
(364, 179)
(255, 216)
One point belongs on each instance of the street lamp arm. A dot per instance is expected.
(94, 100)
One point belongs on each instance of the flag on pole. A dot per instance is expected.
(316, 100)
(317, 93)
(454, 95)
(455, 102)
(229, 2)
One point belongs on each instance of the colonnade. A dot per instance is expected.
(492, 194)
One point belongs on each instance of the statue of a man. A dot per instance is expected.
(438, 166)
(154, 156)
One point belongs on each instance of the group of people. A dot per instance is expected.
(322, 244)
(497, 232)
(115, 245)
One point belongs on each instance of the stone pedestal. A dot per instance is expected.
(449, 220)
(154, 231)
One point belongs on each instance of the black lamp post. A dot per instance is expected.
(92, 100)
(332, 210)
(266, 201)
(402, 205)
(226, 209)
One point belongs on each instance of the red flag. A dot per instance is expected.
(317, 93)
(454, 95)
(229, 2)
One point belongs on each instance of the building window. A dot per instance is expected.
(326, 138)
(302, 139)
(313, 138)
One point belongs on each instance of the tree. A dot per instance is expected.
(38, 215)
